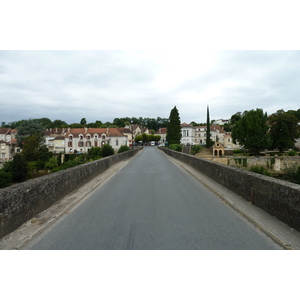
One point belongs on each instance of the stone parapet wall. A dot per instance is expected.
(22, 201)
(279, 198)
(272, 163)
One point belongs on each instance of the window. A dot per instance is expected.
(70, 144)
(88, 144)
(81, 137)
(2, 155)
(70, 137)
(80, 144)
(117, 143)
(103, 137)
(96, 144)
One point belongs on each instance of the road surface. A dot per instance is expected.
(152, 204)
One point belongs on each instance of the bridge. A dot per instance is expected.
(152, 200)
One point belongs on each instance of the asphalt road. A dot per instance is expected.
(150, 204)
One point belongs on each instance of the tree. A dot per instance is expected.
(174, 127)
(284, 130)
(251, 131)
(207, 130)
(19, 168)
(29, 128)
(236, 117)
(58, 124)
(83, 121)
(31, 145)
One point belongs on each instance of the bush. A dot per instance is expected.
(292, 174)
(107, 150)
(5, 178)
(260, 170)
(292, 153)
(123, 148)
(196, 149)
(52, 163)
(176, 147)
(71, 163)
(94, 153)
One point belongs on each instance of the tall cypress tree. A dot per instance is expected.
(174, 127)
(207, 129)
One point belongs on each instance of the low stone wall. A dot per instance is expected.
(277, 163)
(279, 198)
(22, 201)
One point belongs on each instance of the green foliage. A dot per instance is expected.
(251, 131)
(260, 170)
(241, 162)
(19, 168)
(174, 127)
(7, 166)
(236, 117)
(107, 150)
(292, 174)
(29, 128)
(71, 163)
(5, 178)
(284, 130)
(292, 153)
(123, 148)
(208, 142)
(94, 153)
(196, 149)
(32, 168)
(270, 163)
(51, 164)
(176, 147)
(83, 121)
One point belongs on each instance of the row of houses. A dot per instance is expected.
(80, 140)
(196, 135)
(72, 140)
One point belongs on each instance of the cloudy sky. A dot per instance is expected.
(103, 85)
(232, 56)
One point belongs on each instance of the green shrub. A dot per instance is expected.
(176, 147)
(94, 153)
(71, 163)
(32, 168)
(292, 173)
(237, 151)
(196, 149)
(123, 148)
(260, 170)
(51, 164)
(292, 153)
(5, 178)
(107, 150)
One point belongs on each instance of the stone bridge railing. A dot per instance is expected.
(279, 198)
(22, 201)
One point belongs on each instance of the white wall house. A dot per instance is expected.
(162, 132)
(187, 134)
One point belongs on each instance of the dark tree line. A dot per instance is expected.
(150, 123)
